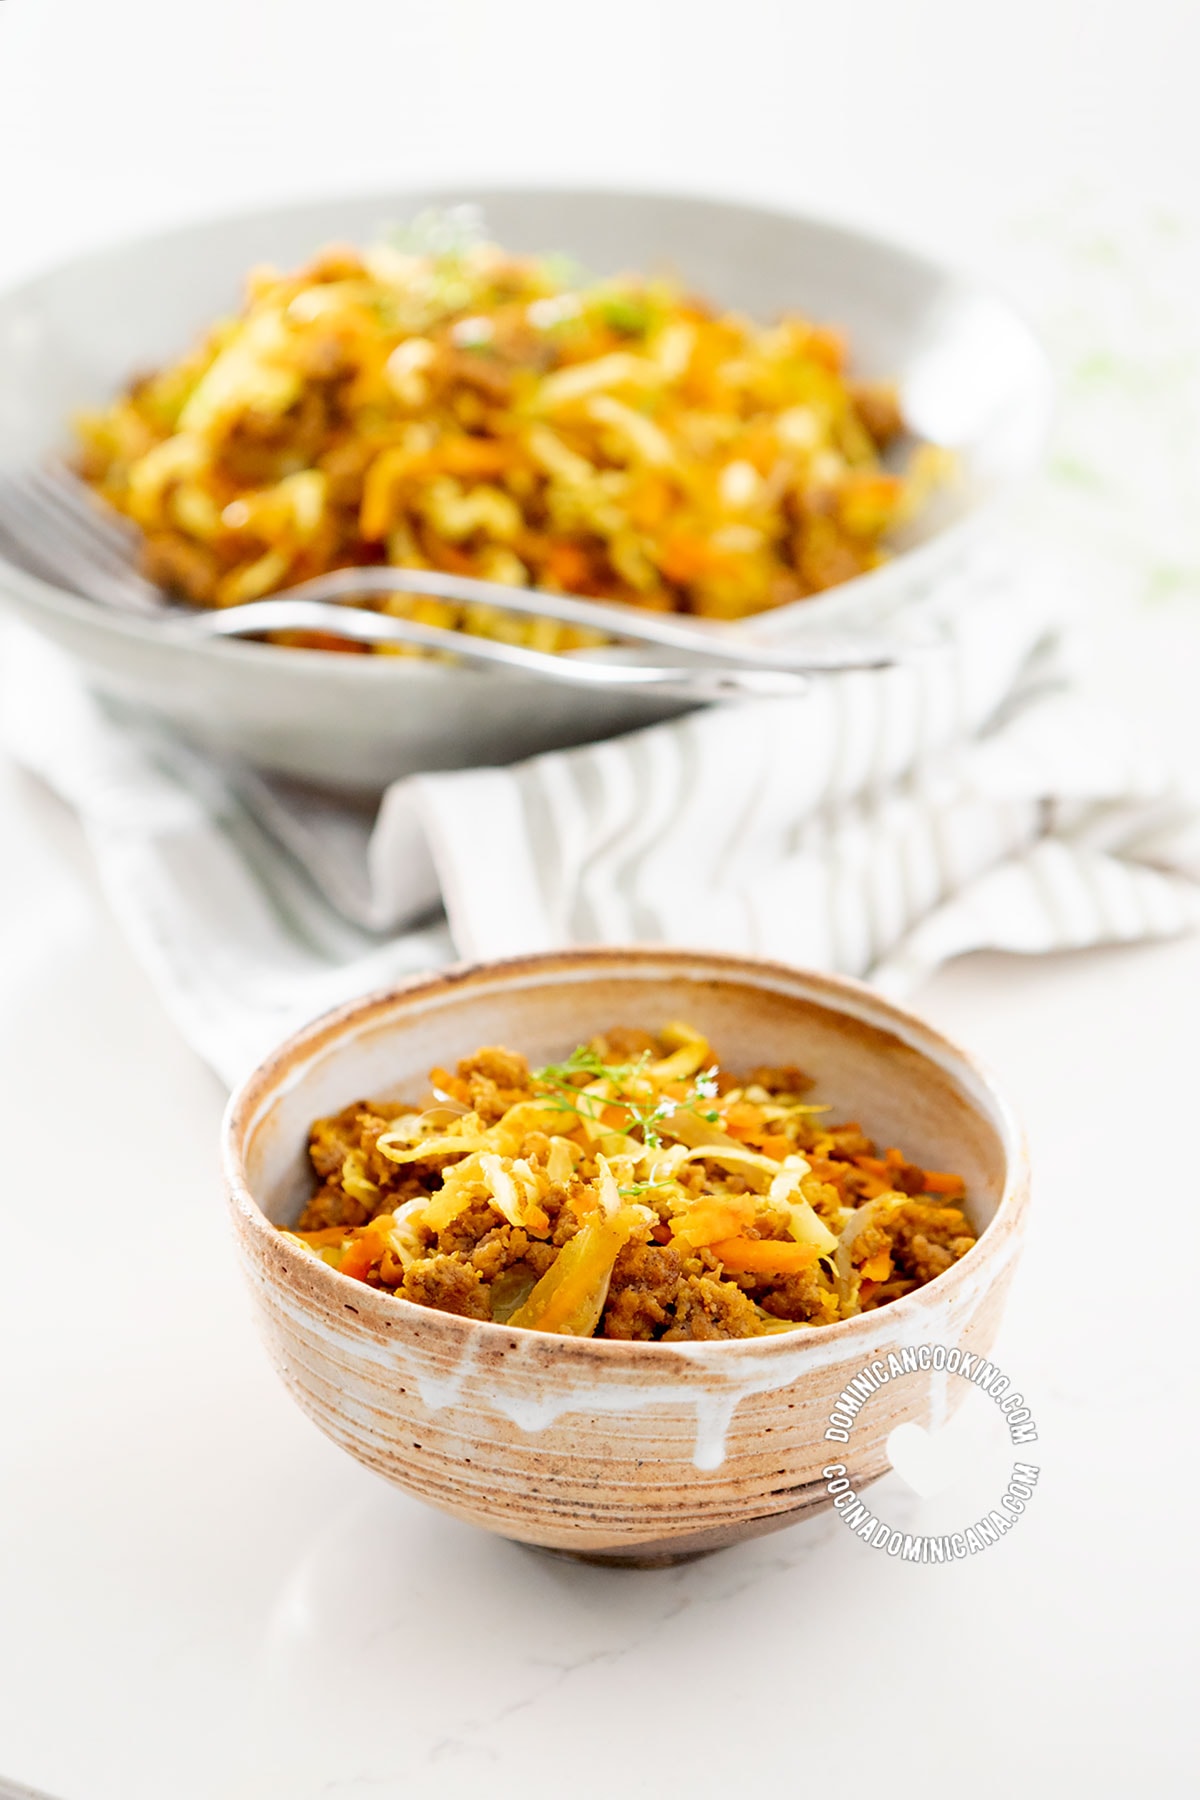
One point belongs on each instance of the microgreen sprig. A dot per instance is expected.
(565, 1094)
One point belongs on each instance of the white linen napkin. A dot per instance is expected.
(885, 823)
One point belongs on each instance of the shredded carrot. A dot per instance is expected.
(935, 1181)
(568, 566)
(710, 1219)
(474, 456)
(684, 558)
(873, 1165)
(742, 1120)
(825, 1169)
(776, 1144)
(765, 1256)
(870, 1186)
(938, 1181)
(358, 1258)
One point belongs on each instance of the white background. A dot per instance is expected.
(939, 118)
(202, 1600)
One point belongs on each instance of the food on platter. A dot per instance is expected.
(446, 405)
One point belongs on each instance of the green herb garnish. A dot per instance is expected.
(565, 1093)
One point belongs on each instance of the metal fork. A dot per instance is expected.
(59, 529)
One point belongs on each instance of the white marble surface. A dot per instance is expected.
(200, 1599)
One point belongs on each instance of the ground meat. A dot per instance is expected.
(707, 1308)
(850, 1140)
(485, 1098)
(656, 1295)
(332, 1140)
(633, 1316)
(491, 378)
(786, 1080)
(645, 1282)
(926, 1240)
(878, 407)
(448, 1284)
(857, 1185)
(801, 1296)
(567, 1219)
(507, 1068)
(331, 1206)
(825, 558)
(464, 1231)
(324, 359)
(371, 1126)
(498, 1251)
(335, 262)
(408, 1185)
(343, 467)
(494, 1079)
(536, 1148)
(624, 1044)
(181, 566)
(507, 1245)
(825, 1201)
(873, 1240)
(906, 1178)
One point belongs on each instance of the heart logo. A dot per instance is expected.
(932, 1462)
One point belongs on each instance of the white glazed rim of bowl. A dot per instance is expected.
(907, 566)
(252, 1101)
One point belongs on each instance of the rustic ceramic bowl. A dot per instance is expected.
(622, 1452)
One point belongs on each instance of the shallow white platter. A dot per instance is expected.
(971, 375)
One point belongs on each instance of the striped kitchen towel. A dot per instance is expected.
(887, 822)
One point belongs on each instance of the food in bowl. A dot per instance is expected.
(635, 1191)
(461, 409)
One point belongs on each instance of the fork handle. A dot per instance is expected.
(825, 654)
(698, 684)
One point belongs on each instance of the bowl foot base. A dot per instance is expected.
(616, 1559)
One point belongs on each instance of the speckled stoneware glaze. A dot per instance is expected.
(633, 1453)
